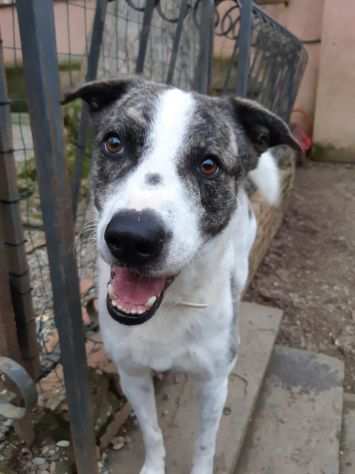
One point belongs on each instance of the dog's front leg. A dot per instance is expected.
(139, 389)
(212, 397)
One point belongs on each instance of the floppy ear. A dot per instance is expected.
(99, 94)
(263, 128)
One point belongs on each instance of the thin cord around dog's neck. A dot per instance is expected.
(191, 305)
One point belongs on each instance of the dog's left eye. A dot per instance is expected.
(112, 145)
(209, 166)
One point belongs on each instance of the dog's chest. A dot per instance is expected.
(189, 342)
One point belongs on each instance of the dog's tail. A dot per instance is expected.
(266, 177)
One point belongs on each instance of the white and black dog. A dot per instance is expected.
(174, 233)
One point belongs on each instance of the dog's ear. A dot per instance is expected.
(263, 128)
(99, 94)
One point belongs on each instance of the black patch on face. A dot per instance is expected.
(130, 118)
(211, 134)
(153, 179)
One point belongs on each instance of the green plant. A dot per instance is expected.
(27, 173)
(72, 114)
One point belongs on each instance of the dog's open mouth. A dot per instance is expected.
(133, 298)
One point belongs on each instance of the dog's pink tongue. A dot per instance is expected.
(133, 289)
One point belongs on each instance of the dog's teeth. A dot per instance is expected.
(151, 301)
(110, 290)
(114, 304)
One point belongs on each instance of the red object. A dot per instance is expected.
(304, 139)
(301, 136)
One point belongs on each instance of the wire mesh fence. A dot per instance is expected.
(276, 63)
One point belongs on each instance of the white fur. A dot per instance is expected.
(266, 177)
(182, 337)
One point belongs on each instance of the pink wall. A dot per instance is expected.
(71, 36)
(335, 112)
(304, 19)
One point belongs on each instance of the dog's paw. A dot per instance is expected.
(203, 468)
(152, 470)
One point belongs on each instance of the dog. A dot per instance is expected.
(174, 233)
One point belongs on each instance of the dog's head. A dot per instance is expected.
(167, 168)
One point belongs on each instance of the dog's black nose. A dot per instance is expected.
(135, 238)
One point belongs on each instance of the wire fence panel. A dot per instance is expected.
(142, 40)
(276, 58)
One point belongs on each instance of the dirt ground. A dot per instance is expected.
(309, 271)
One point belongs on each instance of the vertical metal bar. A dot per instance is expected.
(203, 72)
(177, 38)
(233, 64)
(14, 236)
(91, 74)
(144, 36)
(9, 346)
(8, 335)
(246, 25)
(37, 32)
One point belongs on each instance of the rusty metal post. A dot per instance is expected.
(8, 334)
(8, 337)
(14, 239)
(37, 32)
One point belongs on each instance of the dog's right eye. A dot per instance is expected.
(209, 167)
(112, 145)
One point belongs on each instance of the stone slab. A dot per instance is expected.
(178, 409)
(297, 422)
(347, 458)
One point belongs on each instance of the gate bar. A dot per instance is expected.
(184, 8)
(246, 25)
(37, 32)
(144, 36)
(203, 73)
(91, 74)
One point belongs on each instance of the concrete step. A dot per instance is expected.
(178, 410)
(347, 458)
(297, 422)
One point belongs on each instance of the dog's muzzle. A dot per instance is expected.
(136, 240)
